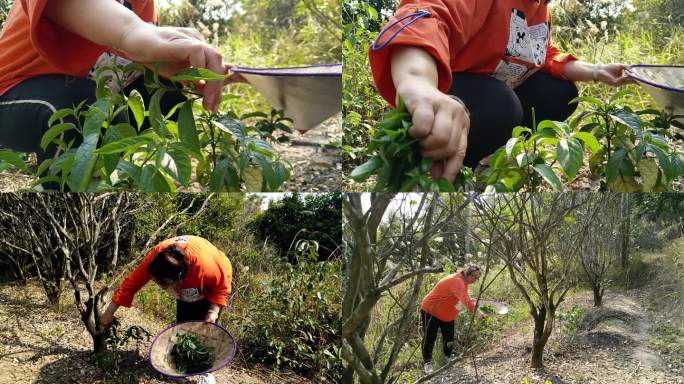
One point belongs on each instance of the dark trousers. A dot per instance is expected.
(431, 325)
(191, 311)
(26, 108)
(495, 109)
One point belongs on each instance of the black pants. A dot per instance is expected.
(495, 109)
(431, 325)
(26, 109)
(191, 311)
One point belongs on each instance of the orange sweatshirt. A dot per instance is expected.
(209, 273)
(32, 45)
(442, 300)
(508, 39)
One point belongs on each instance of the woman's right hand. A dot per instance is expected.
(107, 317)
(176, 46)
(440, 123)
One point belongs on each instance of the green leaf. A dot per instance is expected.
(253, 179)
(131, 170)
(649, 172)
(570, 155)
(624, 184)
(445, 186)
(177, 164)
(187, 129)
(365, 170)
(589, 140)
(196, 74)
(151, 180)
(60, 114)
(664, 161)
(155, 115)
(84, 163)
(510, 144)
(96, 116)
(586, 99)
(614, 163)
(126, 144)
(13, 158)
(137, 106)
(235, 128)
(518, 131)
(549, 176)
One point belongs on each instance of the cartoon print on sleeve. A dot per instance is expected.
(525, 52)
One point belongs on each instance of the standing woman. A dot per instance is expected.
(438, 311)
(470, 71)
(49, 50)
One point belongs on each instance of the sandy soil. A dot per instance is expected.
(44, 344)
(612, 347)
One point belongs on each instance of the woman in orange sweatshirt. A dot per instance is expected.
(49, 51)
(189, 268)
(470, 71)
(438, 311)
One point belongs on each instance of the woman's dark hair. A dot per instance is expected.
(469, 270)
(169, 265)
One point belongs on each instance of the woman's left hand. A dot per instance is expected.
(613, 74)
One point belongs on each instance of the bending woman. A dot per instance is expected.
(470, 71)
(50, 49)
(438, 311)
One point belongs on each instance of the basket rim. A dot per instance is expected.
(174, 325)
(651, 83)
(282, 71)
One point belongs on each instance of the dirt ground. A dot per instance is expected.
(316, 159)
(44, 344)
(612, 347)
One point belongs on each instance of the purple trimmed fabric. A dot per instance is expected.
(308, 95)
(665, 83)
(221, 365)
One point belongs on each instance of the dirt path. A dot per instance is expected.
(611, 347)
(43, 344)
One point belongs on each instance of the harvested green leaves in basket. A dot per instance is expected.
(396, 160)
(189, 355)
(487, 308)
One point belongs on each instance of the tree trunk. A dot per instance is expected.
(99, 342)
(624, 249)
(598, 296)
(539, 340)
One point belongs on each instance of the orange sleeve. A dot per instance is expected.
(441, 34)
(64, 50)
(460, 290)
(136, 279)
(555, 60)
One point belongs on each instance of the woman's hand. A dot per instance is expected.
(107, 317)
(613, 74)
(440, 123)
(177, 48)
(212, 313)
(110, 24)
(610, 74)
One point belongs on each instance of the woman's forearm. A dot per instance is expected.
(580, 71)
(413, 64)
(103, 22)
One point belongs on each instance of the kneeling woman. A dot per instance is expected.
(438, 311)
(470, 71)
(189, 268)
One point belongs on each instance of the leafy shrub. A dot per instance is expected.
(117, 153)
(317, 218)
(302, 305)
(571, 320)
(627, 152)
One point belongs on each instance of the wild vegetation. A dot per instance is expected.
(559, 262)
(78, 247)
(617, 140)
